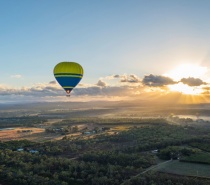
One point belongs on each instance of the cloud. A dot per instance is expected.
(124, 87)
(52, 82)
(110, 77)
(16, 76)
(38, 90)
(130, 79)
(116, 76)
(101, 83)
(107, 91)
(51, 89)
(157, 81)
(193, 81)
(206, 90)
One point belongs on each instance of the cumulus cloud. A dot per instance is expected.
(110, 77)
(116, 76)
(193, 81)
(52, 82)
(130, 79)
(157, 80)
(101, 83)
(16, 76)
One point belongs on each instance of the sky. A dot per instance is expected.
(136, 49)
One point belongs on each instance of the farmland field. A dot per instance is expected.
(184, 168)
(200, 157)
(31, 133)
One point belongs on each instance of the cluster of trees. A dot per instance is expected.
(26, 121)
(202, 144)
(154, 137)
(184, 154)
(175, 152)
(25, 168)
(13, 145)
(136, 160)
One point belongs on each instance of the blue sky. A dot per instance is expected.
(107, 37)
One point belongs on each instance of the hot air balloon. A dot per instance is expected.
(68, 75)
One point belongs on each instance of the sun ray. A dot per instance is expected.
(185, 89)
(191, 71)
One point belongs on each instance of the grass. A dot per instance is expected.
(184, 168)
(200, 157)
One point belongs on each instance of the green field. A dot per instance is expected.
(200, 157)
(184, 168)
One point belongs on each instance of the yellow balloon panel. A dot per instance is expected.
(68, 67)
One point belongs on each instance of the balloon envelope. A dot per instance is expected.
(68, 75)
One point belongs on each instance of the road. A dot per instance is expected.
(153, 167)
(148, 169)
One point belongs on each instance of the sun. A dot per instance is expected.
(186, 71)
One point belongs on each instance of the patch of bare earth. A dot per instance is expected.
(19, 133)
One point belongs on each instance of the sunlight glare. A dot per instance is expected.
(187, 70)
(185, 89)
